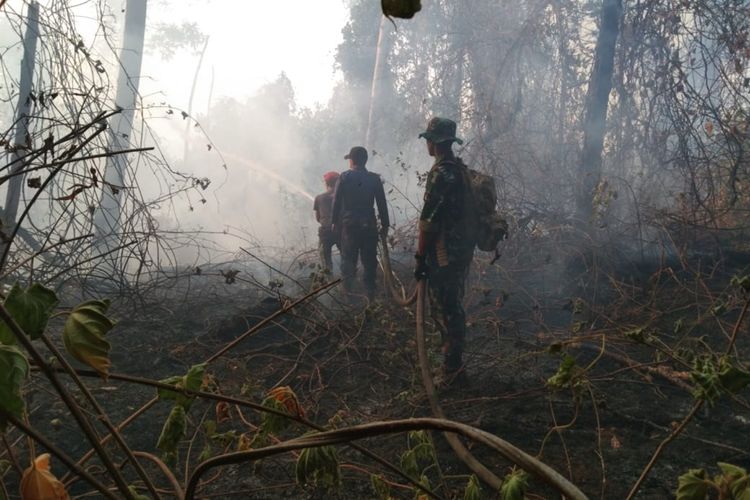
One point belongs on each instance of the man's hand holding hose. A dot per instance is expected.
(421, 270)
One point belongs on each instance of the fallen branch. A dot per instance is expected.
(342, 436)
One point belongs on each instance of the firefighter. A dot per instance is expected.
(323, 207)
(446, 242)
(356, 193)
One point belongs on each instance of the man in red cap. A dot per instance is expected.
(323, 207)
(354, 198)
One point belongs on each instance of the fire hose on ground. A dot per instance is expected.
(515, 455)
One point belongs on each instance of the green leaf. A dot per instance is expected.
(30, 308)
(409, 463)
(705, 376)
(318, 466)
(731, 470)
(380, 487)
(564, 373)
(84, 333)
(421, 445)
(272, 423)
(206, 453)
(693, 485)
(741, 488)
(639, 335)
(135, 494)
(424, 481)
(173, 430)
(13, 371)
(741, 281)
(473, 490)
(514, 485)
(192, 381)
(732, 377)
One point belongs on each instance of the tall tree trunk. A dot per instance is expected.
(23, 110)
(597, 98)
(107, 217)
(564, 54)
(190, 121)
(382, 49)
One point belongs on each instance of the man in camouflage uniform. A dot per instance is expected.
(446, 240)
(357, 190)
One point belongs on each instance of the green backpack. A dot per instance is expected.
(490, 227)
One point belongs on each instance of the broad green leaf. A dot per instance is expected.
(206, 453)
(564, 374)
(741, 488)
(224, 438)
(409, 463)
(318, 466)
(136, 495)
(424, 481)
(174, 380)
(209, 427)
(173, 431)
(473, 490)
(514, 485)
(84, 333)
(282, 399)
(742, 282)
(380, 487)
(732, 377)
(731, 470)
(13, 371)
(640, 335)
(31, 308)
(705, 376)
(693, 485)
(192, 381)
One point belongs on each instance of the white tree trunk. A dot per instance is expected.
(107, 218)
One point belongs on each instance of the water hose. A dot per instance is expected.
(528, 463)
(399, 296)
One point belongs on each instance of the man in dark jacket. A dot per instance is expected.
(446, 240)
(356, 192)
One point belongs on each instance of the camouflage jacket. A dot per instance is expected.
(447, 211)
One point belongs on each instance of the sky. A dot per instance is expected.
(251, 43)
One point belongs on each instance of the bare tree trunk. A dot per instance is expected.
(564, 54)
(207, 124)
(597, 98)
(189, 120)
(107, 217)
(23, 110)
(381, 54)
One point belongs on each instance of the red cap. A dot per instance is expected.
(330, 177)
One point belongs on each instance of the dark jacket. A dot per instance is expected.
(357, 190)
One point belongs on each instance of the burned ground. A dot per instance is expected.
(633, 344)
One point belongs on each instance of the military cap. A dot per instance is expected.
(358, 154)
(441, 130)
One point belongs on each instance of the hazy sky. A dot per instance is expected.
(251, 42)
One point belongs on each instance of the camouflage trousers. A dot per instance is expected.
(446, 291)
